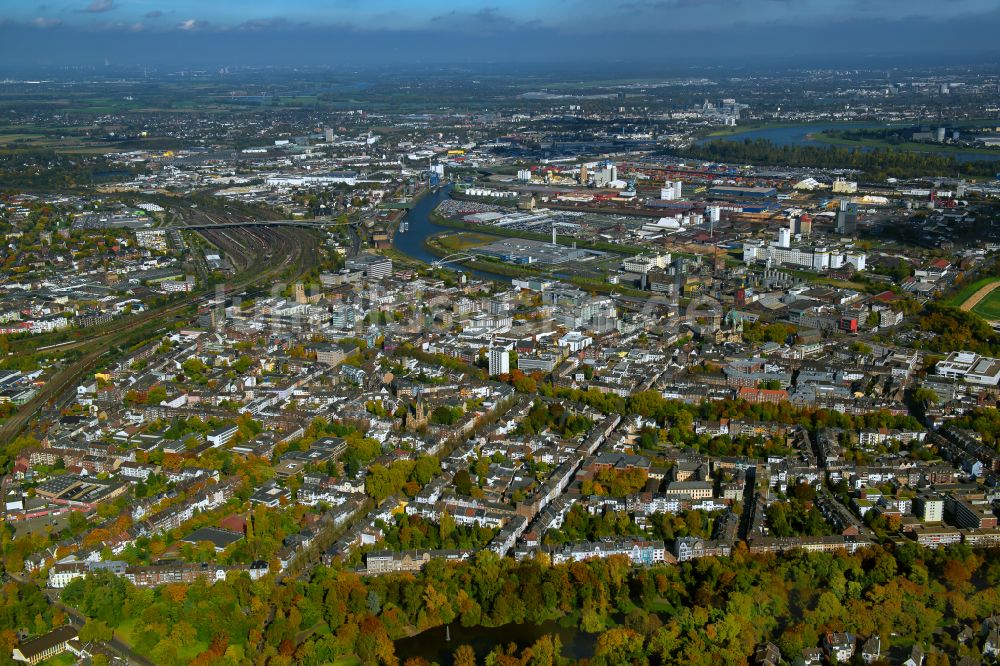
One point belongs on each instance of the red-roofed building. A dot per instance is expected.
(885, 297)
(234, 523)
(941, 264)
(757, 396)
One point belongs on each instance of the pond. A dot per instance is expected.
(433, 645)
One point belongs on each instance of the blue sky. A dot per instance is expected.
(578, 15)
(79, 30)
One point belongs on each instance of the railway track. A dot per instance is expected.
(288, 249)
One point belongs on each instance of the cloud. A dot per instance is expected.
(263, 24)
(664, 5)
(100, 6)
(484, 18)
(494, 31)
(659, 5)
(156, 13)
(42, 22)
(192, 24)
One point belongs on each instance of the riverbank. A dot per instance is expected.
(816, 135)
(845, 124)
(751, 127)
(402, 259)
(909, 146)
(410, 247)
(614, 248)
(417, 246)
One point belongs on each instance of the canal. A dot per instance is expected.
(420, 228)
(433, 646)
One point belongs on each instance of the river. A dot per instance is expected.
(432, 646)
(802, 135)
(420, 227)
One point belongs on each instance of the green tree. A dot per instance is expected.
(425, 469)
(463, 482)
(926, 396)
(95, 630)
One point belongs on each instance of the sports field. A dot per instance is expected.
(989, 306)
(969, 296)
(967, 290)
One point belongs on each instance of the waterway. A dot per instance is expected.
(433, 646)
(804, 135)
(420, 228)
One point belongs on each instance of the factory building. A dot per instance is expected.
(847, 218)
(734, 193)
(373, 266)
(644, 263)
(800, 224)
(671, 190)
(783, 252)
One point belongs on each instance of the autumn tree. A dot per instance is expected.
(464, 656)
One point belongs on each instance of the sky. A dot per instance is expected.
(354, 32)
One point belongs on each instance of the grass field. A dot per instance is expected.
(126, 633)
(963, 294)
(842, 284)
(989, 307)
(14, 140)
(63, 659)
(465, 240)
(815, 278)
(912, 146)
(346, 661)
(719, 132)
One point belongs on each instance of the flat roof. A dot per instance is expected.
(219, 537)
(743, 189)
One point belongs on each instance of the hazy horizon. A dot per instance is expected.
(642, 33)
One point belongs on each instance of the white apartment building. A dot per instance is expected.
(970, 367)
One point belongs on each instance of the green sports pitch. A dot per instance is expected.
(989, 307)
